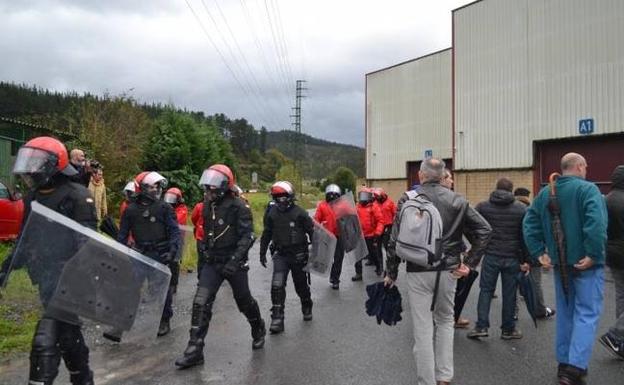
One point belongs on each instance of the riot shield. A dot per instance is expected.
(349, 227)
(322, 251)
(83, 275)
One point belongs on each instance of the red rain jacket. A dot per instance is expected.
(326, 217)
(371, 220)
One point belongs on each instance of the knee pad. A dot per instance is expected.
(204, 297)
(279, 279)
(45, 355)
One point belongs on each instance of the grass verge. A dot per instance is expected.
(19, 311)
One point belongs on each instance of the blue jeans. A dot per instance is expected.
(579, 316)
(508, 268)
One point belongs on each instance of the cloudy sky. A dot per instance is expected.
(239, 57)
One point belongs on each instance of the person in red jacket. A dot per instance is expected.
(372, 227)
(173, 196)
(388, 211)
(325, 216)
(198, 222)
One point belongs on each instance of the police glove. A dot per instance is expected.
(167, 257)
(263, 260)
(230, 267)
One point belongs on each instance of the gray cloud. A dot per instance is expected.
(156, 48)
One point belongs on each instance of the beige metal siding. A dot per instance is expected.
(528, 70)
(408, 111)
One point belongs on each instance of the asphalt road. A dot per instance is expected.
(340, 346)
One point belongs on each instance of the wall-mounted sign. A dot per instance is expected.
(586, 126)
(428, 153)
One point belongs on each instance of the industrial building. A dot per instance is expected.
(529, 81)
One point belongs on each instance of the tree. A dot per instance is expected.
(344, 178)
(288, 172)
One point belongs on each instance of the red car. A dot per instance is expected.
(11, 212)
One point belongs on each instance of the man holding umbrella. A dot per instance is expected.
(566, 227)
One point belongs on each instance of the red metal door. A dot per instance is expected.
(603, 153)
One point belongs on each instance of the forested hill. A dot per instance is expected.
(321, 157)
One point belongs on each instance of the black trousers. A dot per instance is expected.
(372, 255)
(210, 280)
(282, 265)
(52, 341)
(336, 269)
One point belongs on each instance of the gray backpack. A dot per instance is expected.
(420, 235)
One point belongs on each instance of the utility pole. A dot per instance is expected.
(299, 148)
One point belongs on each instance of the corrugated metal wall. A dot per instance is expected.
(408, 111)
(531, 69)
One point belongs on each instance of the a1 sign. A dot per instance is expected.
(586, 126)
(428, 154)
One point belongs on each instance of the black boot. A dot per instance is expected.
(75, 353)
(164, 328)
(82, 378)
(277, 319)
(194, 352)
(571, 375)
(258, 331)
(306, 309)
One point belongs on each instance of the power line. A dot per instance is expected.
(263, 56)
(280, 63)
(242, 55)
(259, 100)
(282, 39)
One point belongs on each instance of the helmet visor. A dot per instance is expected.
(213, 178)
(365, 196)
(33, 161)
(171, 198)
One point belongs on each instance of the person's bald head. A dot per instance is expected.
(574, 164)
(77, 157)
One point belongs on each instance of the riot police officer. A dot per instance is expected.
(228, 235)
(153, 226)
(290, 228)
(326, 216)
(44, 166)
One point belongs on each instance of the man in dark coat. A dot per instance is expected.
(504, 255)
(613, 340)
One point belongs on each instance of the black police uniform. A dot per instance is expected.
(156, 234)
(53, 338)
(290, 231)
(228, 236)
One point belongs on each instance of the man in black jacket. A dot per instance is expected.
(504, 255)
(434, 356)
(290, 229)
(228, 235)
(613, 340)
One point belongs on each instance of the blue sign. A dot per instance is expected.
(586, 126)
(428, 153)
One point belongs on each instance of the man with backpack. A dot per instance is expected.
(427, 233)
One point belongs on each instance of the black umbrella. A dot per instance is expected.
(464, 284)
(557, 232)
(527, 290)
(109, 227)
(384, 303)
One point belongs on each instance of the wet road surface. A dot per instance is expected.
(340, 346)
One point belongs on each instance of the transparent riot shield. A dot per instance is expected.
(349, 227)
(82, 275)
(322, 251)
(187, 242)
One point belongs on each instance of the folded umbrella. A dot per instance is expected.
(527, 290)
(384, 303)
(464, 284)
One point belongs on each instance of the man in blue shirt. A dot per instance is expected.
(584, 224)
